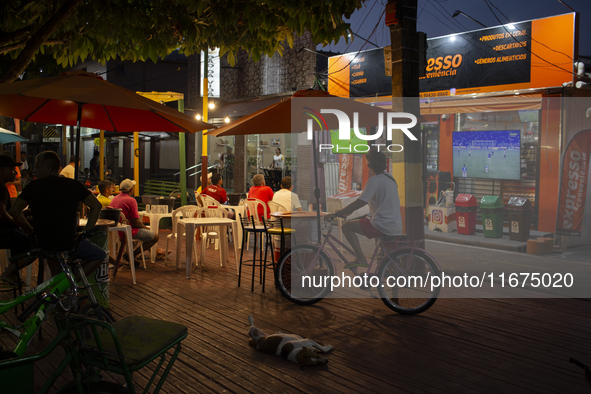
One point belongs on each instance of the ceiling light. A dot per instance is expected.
(211, 105)
(198, 116)
(227, 119)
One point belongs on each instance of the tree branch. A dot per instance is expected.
(38, 39)
(21, 44)
(14, 36)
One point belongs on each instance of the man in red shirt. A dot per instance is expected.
(261, 192)
(215, 190)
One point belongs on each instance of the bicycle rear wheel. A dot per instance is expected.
(405, 281)
(301, 277)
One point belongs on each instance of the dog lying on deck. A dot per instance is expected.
(292, 347)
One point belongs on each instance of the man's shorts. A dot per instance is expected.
(144, 235)
(368, 229)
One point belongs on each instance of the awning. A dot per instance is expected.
(241, 109)
(484, 104)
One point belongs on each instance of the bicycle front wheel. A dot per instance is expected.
(303, 274)
(405, 281)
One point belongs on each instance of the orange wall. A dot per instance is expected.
(552, 50)
(549, 164)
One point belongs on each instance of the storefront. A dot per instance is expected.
(493, 105)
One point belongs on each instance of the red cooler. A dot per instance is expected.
(466, 214)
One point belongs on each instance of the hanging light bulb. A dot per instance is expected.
(227, 119)
(198, 116)
(211, 105)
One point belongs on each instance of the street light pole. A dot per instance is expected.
(458, 12)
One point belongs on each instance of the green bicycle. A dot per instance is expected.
(60, 291)
(92, 346)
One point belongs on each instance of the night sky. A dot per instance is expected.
(435, 19)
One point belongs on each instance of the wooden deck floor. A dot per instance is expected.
(457, 346)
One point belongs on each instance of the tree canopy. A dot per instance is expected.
(76, 30)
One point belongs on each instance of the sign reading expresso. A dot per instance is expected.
(524, 55)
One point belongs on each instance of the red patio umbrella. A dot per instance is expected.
(84, 99)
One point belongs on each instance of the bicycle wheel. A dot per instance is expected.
(298, 281)
(405, 281)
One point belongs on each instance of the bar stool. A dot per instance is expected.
(249, 225)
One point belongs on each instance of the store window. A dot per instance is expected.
(497, 153)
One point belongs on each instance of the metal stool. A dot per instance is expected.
(248, 225)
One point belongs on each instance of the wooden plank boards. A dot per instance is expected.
(457, 346)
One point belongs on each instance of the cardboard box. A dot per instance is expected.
(341, 200)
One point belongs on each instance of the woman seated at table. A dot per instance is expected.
(262, 192)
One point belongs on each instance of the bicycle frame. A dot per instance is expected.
(328, 238)
(58, 284)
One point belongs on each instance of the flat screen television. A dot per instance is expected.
(487, 154)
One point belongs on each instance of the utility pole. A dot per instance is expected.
(407, 167)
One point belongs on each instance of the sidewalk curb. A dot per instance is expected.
(475, 240)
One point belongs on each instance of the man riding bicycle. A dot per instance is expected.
(381, 193)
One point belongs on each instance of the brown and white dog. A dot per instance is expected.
(292, 347)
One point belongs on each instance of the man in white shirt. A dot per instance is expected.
(286, 197)
(381, 193)
(68, 171)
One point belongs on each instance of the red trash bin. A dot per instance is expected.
(466, 214)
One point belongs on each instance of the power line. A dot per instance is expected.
(529, 50)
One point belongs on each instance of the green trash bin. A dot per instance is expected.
(491, 211)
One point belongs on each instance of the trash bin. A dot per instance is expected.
(491, 211)
(519, 210)
(466, 214)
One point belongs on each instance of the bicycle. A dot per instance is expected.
(402, 275)
(60, 291)
(91, 346)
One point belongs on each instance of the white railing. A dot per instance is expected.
(331, 178)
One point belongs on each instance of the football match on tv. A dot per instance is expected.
(487, 154)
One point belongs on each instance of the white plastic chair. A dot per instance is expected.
(209, 201)
(187, 211)
(276, 207)
(211, 232)
(135, 242)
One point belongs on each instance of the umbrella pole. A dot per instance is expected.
(316, 189)
(78, 120)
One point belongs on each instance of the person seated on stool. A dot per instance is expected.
(105, 190)
(286, 197)
(11, 237)
(217, 192)
(54, 201)
(128, 206)
(261, 192)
